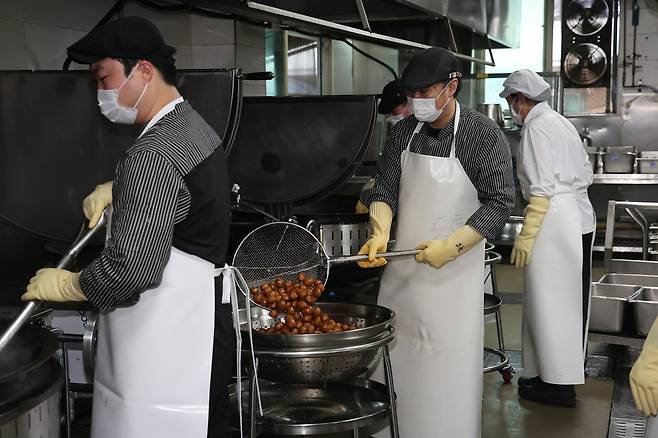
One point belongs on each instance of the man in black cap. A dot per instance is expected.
(393, 105)
(446, 173)
(163, 336)
(393, 102)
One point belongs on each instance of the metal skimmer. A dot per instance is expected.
(285, 250)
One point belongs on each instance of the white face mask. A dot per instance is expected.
(394, 119)
(516, 117)
(424, 109)
(108, 101)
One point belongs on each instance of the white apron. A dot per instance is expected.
(154, 359)
(437, 354)
(553, 346)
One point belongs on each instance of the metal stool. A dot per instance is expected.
(492, 304)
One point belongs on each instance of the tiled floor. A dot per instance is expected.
(504, 415)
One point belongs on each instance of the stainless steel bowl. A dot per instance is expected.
(323, 364)
(371, 321)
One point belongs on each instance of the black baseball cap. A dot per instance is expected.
(392, 96)
(429, 67)
(125, 38)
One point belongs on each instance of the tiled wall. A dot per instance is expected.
(34, 34)
(647, 42)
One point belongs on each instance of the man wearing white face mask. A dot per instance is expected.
(555, 244)
(165, 343)
(447, 174)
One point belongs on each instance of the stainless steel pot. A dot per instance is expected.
(30, 380)
(371, 320)
(326, 357)
(493, 111)
(29, 404)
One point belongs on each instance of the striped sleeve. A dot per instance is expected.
(146, 192)
(494, 184)
(387, 175)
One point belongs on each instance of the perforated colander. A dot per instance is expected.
(285, 250)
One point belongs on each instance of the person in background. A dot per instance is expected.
(447, 175)
(555, 243)
(165, 340)
(393, 105)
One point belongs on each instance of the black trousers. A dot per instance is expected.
(587, 277)
(223, 357)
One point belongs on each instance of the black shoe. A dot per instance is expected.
(542, 392)
(528, 381)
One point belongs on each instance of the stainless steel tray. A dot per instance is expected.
(645, 309)
(315, 409)
(631, 279)
(618, 162)
(647, 165)
(371, 320)
(607, 306)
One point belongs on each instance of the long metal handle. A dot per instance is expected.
(31, 306)
(340, 260)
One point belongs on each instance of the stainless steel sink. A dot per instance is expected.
(645, 309)
(631, 279)
(607, 306)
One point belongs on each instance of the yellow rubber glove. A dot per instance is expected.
(57, 285)
(644, 374)
(525, 242)
(360, 207)
(94, 204)
(381, 217)
(437, 253)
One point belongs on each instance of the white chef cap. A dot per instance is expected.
(528, 83)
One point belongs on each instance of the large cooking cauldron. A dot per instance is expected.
(51, 161)
(30, 380)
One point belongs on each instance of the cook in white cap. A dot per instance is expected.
(555, 244)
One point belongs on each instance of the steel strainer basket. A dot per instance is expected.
(284, 250)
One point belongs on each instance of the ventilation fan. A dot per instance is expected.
(585, 64)
(586, 17)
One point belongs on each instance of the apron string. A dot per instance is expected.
(232, 281)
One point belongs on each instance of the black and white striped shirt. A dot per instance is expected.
(150, 198)
(483, 151)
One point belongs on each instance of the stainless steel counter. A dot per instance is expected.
(622, 178)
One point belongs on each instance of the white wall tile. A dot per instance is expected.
(211, 31)
(74, 14)
(45, 46)
(249, 35)
(12, 45)
(219, 56)
(250, 59)
(11, 9)
(175, 28)
(184, 57)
